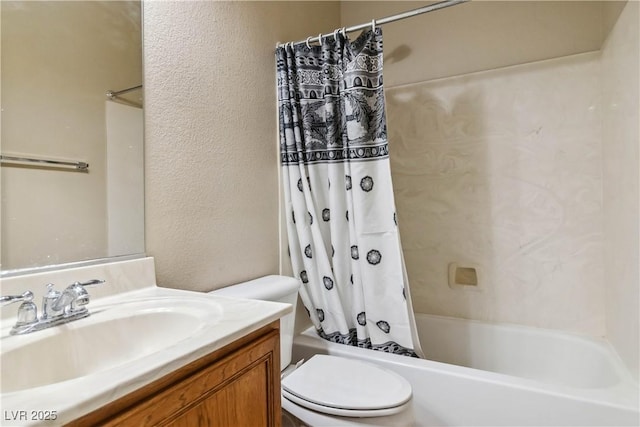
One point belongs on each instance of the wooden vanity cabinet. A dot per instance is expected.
(237, 385)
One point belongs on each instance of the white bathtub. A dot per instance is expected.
(489, 374)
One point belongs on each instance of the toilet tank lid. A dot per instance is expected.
(268, 288)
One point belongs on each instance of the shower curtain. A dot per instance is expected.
(340, 213)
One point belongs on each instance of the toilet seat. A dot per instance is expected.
(346, 387)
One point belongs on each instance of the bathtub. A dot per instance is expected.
(483, 374)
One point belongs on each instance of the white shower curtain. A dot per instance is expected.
(341, 221)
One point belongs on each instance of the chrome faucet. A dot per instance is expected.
(57, 307)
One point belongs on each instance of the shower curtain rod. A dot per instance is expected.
(388, 19)
(111, 94)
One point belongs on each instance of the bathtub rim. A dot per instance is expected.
(622, 396)
(620, 368)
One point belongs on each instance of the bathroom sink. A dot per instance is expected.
(137, 334)
(114, 335)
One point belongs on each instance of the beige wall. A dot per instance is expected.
(479, 35)
(55, 73)
(211, 152)
(611, 10)
(620, 183)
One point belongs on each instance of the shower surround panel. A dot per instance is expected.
(502, 170)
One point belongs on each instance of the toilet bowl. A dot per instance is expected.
(346, 387)
(327, 384)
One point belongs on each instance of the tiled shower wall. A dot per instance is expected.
(501, 170)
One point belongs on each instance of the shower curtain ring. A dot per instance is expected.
(309, 47)
(335, 35)
(320, 38)
(344, 32)
(373, 24)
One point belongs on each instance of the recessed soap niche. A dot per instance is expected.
(465, 276)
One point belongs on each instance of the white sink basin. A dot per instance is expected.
(112, 336)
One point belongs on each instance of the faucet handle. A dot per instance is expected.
(82, 296)
(9, 299)
(92, 282)
(27, 312)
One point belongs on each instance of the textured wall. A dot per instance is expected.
(479, 35)
(211, 161)
(502, 169)
(620, 72)
(58, 61)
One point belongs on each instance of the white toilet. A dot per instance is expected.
(326, 384)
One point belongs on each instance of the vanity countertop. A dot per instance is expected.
(229, 319)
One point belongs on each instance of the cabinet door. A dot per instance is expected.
(241, 403)
(241, 389)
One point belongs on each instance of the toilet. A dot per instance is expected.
(319, 383)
